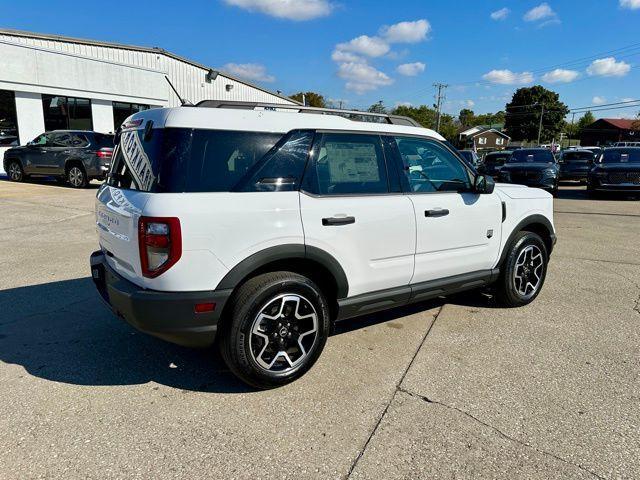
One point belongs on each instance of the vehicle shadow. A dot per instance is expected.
(62, 332)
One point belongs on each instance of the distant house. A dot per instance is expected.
(610, 130)
(484, 138)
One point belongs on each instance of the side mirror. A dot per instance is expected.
(483, 184)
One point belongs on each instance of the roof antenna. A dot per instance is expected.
(183, 101)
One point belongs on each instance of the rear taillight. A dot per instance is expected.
(105, 153)
(160, 242)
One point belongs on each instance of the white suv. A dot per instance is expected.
(262, 225)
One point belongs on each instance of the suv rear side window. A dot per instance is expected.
(186, 160)
(348, 164)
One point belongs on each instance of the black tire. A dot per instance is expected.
(15, 171)
(243, 345)
(509, 289)
(77, 176)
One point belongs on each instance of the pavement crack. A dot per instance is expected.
(391, 398)
(500, 432)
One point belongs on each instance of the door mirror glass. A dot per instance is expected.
(483, 184)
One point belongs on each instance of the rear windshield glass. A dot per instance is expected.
(631, 155)
(532, 156)
(577, 156)
(174, 160)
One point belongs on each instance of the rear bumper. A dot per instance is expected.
(167, 315)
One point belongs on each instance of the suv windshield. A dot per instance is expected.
(627, 155)
(174, 160)
(577, 156)
(496, 158)
(532, 156)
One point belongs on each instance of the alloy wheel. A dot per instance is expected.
(76, 177)
(284, 333)
(15, 172)
(527, 274)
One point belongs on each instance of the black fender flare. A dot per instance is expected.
(285, 252)
(525, 222)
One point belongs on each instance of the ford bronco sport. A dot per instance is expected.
(263, 224)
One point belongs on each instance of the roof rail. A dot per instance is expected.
(355, 115)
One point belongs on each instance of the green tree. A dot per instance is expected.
(586, 120)
(312, 99)
(524, 111)
(467, 117)
(377, 107)
(427, 117)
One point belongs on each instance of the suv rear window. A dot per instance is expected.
(173, 160)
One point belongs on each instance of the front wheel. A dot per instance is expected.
(523, 271)
(15, 172)
(278, 326)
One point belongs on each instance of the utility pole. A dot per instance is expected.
(540, 127)
(304, 100)
(439, 97)
(573, 116)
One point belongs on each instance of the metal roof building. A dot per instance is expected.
(52, 82)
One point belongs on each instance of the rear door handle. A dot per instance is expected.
(334, 221)
(436, 212)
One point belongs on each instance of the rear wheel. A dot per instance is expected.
(76, 176)
(279, 324)
(524, 270)
(14, 171)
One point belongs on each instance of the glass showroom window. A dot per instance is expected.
(122, 110)
(66, 113)
(8, 119)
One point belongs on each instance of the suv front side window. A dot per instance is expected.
(430, 167)
(348, 164)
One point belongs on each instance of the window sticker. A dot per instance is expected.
(137, 160)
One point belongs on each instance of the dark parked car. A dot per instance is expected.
(493, 162)
(575, 164)
(470, 157)
(534, 167)
(616, 170)
(74, 156)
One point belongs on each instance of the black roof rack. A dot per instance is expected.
(355, 115)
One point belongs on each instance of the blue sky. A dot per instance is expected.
(363, 51)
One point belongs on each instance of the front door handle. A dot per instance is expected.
(334, 221)
(436, 212)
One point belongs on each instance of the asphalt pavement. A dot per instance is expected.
(455, 388)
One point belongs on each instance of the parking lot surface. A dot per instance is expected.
(455, 388)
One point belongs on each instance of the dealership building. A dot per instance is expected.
(50, 82)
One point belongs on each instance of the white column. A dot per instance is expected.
(30, 116)
(102, 116)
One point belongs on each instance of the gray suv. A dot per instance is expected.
(72, 156)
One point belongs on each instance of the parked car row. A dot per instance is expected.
(72, 156)
(615, 169)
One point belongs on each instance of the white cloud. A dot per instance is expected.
(630, 4)
(507, 77)
(411, 69)
(467, 103)
(501, 14)
(362, 78)
(597, 100)
(297, 10)
(406, 32)
(541, 12)
(249, 71)
(402, 104)
(342, 56)
(365, 45)
(560, 76)
(608, 67)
